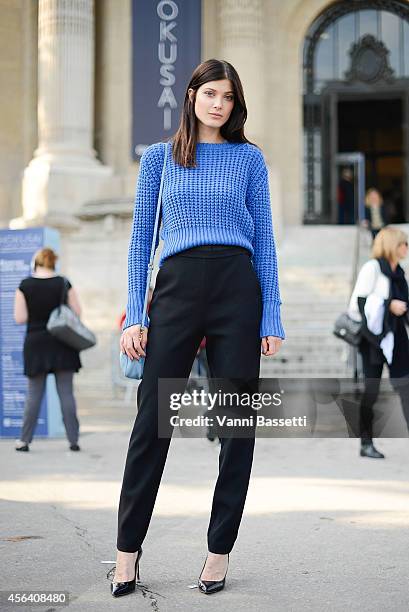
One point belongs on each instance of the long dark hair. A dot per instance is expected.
(185, 139)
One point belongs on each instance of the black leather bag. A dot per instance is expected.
(67, 327)
(348, 330)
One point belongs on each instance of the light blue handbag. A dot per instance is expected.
(133, 368)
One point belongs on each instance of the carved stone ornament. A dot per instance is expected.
(369, 61)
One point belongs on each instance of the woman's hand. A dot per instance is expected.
(133, 343)
(398, 307)
(270, 345)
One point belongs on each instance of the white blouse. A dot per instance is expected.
(370, 281)
(375, 286)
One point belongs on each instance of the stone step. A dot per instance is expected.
(305, 372)
(307, 311)
(308, 305)
(324, 323)
(303, 335)
(302, 354)
(306, 318)
(311, 301)
(331, 361)
(316, 294)
(294, 330)
(314, 349)
(313, 342)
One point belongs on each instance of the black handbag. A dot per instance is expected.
(348, 330)
(67, 327)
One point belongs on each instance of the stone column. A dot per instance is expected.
(64, 172)
(242, 44)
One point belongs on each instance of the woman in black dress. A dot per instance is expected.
(35, 299)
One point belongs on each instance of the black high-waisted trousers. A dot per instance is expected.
(373, 374)
(211, 291)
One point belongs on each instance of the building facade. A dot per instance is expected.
(320, 79)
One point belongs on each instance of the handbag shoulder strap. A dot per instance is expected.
(64, 290)
(155, 230)
(378, 274)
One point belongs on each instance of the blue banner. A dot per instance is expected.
(17, 248)
(166, 48)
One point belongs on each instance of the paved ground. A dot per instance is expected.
(323, 530)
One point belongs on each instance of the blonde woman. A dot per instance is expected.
(35, 298)
(380, 300)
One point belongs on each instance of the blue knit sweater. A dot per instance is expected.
(224, 200)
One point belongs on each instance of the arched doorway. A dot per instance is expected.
(356, 99)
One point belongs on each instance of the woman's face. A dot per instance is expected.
(374, 198)
(402, 250)
(214, 103)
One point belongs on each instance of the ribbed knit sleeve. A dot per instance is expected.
(265, 257)
(146, 198)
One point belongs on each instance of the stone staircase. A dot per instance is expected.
(316, 268)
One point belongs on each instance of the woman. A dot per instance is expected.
(380, 299)
(374, 211)
(216, 217)
(35, 299)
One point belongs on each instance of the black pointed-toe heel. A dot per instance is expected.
(124, 588)
(208, 587)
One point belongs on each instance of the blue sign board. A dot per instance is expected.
(166, 48)
(17, 248)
